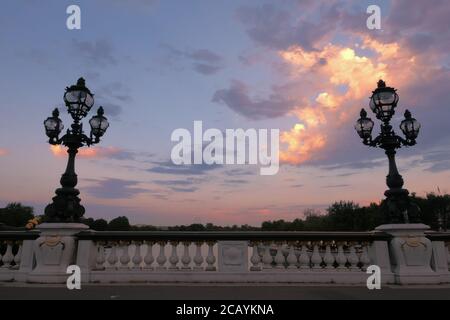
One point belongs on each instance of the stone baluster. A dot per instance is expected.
(328, 258)
(447, 247)
(125, 257)
(341, 259)
(100, 259)
(198, 259)
(18, 256)
(255, 259)
(279, 257)
(149, 259)
(267, 258)
(353, 257)
(161, 260)
(112, 258)
(137, 258)
(174, 256)
(316, 258)
(291, 259)
(365, 259)
(304, 260)
(8, 257)
(210, 259)
(186, 259)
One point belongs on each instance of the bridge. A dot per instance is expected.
(404, 253)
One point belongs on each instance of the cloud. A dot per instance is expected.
(301, 145)
(97, 53)
(240, 172)
(168, 167)
(237, 99)
(203, 61)
(184, 189)
(423, 28)
(115, 189)
(134, 4)
(95, 153)
(115, 90)
(369, 164)
(182, 185)
(112, 110)
(435, 161)
(235, 181)
(3, 152)
(112, 96)
(277, 28)
(330, 69)
(336, 186)
(206, 69)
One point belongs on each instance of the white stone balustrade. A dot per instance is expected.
(311, 256)
(10, 258)
(448, 254)
(227, 257)
(140, 255)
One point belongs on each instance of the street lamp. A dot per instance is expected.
(384, 100)
(79, 101)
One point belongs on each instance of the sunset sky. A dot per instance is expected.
(303, 67)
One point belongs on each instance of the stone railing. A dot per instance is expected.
(404, 253)
(13, 244)
(230, 256)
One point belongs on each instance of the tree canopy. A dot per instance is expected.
(340, 216)
(16, 215)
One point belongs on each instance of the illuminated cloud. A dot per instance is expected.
(301, 145)
(94, 152)
(332, 68)
(3, 152)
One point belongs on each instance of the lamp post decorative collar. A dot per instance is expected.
(398, 206)
(79, 100)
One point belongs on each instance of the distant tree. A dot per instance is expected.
(88, 222)
(344, 216)
(196, 227)
(144, 228)
(16, 215)
(433, 207)
(99, 225)
(119, 224)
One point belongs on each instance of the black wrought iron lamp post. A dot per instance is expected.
(384, 100)
(79, 100)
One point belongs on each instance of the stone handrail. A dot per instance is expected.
(232, 256)
(404, 254)
(233, 235)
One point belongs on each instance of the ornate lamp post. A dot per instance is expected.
(398, 207)
(79, 101)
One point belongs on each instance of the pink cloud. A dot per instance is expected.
(92, 153)
(3, 152)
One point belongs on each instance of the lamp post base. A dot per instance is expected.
(55, 250)
(411, 253)
(66, 206)
(398, 207)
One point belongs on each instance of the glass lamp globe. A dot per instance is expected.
(79, 100)
(99, 124)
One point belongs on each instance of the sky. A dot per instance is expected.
(303, 67)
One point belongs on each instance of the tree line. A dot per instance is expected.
(340, 216)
